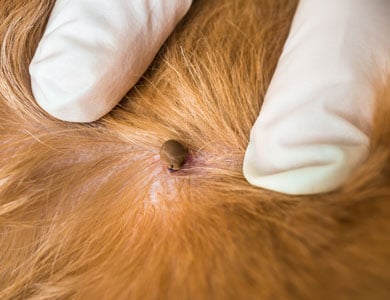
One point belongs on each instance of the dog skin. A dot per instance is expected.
(89, 211)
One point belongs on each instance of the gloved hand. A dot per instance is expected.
(94, 51)
(314, 126)
(313, 129)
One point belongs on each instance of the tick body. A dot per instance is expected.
(173, 154)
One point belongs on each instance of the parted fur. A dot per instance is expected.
(88, 211)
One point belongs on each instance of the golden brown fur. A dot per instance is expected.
(89, 212)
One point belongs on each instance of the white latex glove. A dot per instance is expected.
(94, 51)
(314, 126)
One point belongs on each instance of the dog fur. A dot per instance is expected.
(88, 211)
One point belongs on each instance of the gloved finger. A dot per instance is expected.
(94, 51)
(314, 126)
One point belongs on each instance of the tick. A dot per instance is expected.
(173, 154)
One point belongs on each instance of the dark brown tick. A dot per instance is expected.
(173, 154)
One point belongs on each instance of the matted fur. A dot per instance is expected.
(89, 212)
